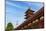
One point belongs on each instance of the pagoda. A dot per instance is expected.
(29, 13)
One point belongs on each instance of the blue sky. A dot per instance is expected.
(15, 10)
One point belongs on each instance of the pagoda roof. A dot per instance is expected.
(29, 10)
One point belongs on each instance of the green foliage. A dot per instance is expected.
(9, 27)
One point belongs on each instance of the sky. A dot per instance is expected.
(15, 10)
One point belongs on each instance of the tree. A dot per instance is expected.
(9, 27)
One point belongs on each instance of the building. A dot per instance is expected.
(33, 20)
(29, 13)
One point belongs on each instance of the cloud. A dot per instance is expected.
(12, 4)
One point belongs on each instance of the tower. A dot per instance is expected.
(29, 13)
